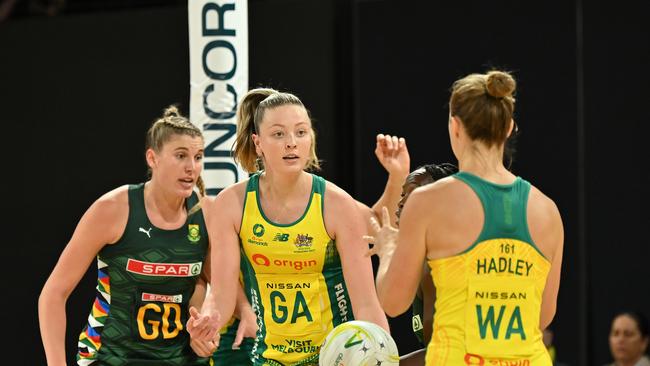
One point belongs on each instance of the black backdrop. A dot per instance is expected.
(78, 91)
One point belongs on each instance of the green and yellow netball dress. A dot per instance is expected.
(417, 317)
(488, 298)
(144, 284)
(293, 280)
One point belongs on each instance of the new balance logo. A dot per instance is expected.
(281, 237)
(146, 232)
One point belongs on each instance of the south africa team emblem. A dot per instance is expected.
(193, 233)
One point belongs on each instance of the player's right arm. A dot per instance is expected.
(103, 223)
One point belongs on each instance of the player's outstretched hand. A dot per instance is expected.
(383, 238)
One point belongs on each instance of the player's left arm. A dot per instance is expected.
(345, 225)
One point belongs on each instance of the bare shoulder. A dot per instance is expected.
(341, 212)
(544, 223)
(113, 202)
(542, 208)
(233, 194)
(450, 213)
(226, 208)
(337, 196)
(442, 192)
(332, 188)
(111, 212)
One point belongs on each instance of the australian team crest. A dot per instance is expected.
(193, 233)
(303, 241)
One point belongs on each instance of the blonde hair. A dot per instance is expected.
(485, 105)
(173, 123)
(249, 116)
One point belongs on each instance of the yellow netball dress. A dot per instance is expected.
(488, 298)
(293, 279)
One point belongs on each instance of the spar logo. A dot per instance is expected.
(262, 260)
(164, 269)
(146, 296)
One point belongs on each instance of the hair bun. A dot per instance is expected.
(171, 111)
(500, 84)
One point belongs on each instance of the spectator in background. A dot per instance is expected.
(628, 339)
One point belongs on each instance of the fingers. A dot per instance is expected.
(387, 144)
(239, 337)
(372, 251)
(402, 143)
(211, 334)
(374, 224)
(196, 320)
(210, 348)
(203, 349)
(201, 322)
(392, 154)
(369, 238)
(194, 313)
(379, 149)
(385, 141)
(385, 216)
(203, 327)
(191, 321)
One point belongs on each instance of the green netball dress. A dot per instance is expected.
(294, 281)
(144, 284)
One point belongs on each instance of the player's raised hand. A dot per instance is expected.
(392, 153)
